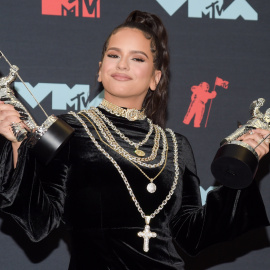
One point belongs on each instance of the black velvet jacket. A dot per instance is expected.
(82, 188)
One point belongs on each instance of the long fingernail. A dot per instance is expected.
(18, 109)
(23, 114)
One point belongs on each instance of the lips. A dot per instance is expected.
(121, 77)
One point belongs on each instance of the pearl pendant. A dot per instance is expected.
(151, 187)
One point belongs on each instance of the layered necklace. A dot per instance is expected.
(111, 142)
(98, 118)
(96, 122)
(138, 152)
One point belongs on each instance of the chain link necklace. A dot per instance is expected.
(130, 114)
(146, 233)
(138, 152)
(108, 136)
(105, 130)
(151, 187)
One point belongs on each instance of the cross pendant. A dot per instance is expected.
(146, 234)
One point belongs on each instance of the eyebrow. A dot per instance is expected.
(133, 51)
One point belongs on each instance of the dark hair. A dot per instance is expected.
(155, 102)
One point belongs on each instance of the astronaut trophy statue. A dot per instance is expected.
(45, 140)
(236, 162)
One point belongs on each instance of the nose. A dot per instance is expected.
(123, 64)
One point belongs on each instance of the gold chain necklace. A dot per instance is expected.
(130, 114)
(146, 233)
(151, 187)
(109, 137)
(138, 152)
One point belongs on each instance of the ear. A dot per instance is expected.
(99, 72)
(155, 80)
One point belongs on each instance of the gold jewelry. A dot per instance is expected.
(156, 139)
(146, 233)
(151, 187)
(108, 136)
(138, 152)
(130, 114)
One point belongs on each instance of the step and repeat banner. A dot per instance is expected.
(220, 63)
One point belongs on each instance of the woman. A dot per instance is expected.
(121, 170)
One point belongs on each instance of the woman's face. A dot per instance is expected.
(127, 70)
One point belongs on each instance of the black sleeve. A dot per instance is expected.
(226, 214)
(34, 195)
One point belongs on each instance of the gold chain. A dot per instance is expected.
(130, 114)
(151, 179)
(108, 136)
(147, 218)
(117, 131)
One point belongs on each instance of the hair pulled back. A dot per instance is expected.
(155, 102)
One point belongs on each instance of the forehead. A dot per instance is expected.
(130, 38)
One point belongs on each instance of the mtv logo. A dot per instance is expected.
(215, 10)
(62, 96)
(212, 9)
(75, 8)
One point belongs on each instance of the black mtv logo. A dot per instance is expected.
(74, 8)
(80, 8)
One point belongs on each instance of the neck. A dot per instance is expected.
(129, 103)
(130, 114)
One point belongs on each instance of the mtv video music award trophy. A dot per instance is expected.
(45, 140)
(236, 162)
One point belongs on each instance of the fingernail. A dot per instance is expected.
(23, 118)
(18, 109)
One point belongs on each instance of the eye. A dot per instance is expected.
(137, 59)
(112, 55)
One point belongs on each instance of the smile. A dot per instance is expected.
(121, 77)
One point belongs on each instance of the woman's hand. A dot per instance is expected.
(254, 138)
(8, 115)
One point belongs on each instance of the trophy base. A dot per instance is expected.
(52, 141)
(234, 166)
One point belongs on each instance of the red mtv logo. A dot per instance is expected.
(76, 8)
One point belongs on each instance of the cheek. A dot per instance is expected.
(144, 72)
(104, 71)
(107, 64)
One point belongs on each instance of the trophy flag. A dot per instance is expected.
(218, 82)
(222, 83)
